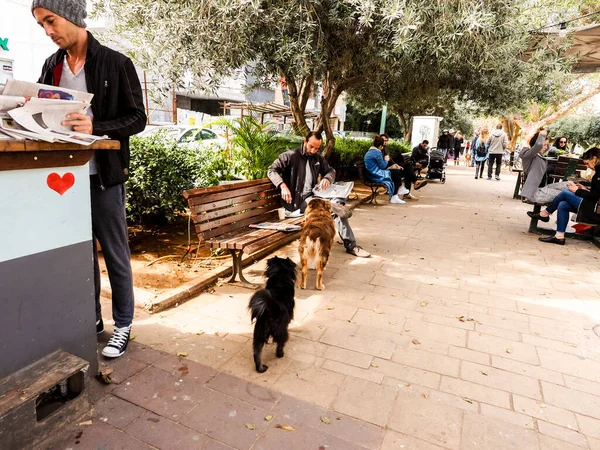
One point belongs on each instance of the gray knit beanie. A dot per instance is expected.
(72, 10)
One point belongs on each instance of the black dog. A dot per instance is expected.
(273, 307)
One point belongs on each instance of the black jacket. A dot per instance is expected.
(445, 142)
(586, 213)
(418, 154)
(290, 168)
(117, 105)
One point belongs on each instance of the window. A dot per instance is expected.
(189, 135)
(6, 70)
(207, 134)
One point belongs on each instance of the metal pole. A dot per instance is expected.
(383, 119)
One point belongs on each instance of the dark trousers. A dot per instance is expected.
(407, 174)
(396, 179)
(479, 165)
(497, 157)
(109, 226)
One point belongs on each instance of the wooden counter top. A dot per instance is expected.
(16, 145)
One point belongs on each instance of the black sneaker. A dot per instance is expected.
(117, 344)
(99, 326)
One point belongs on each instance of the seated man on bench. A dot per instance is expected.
(296, 173)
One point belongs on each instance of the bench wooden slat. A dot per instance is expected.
(232, 201)
(268, 241)
(240, 242)
(208, 217)
(265, 216)
(235, 219)
(208, 198)
(190, 193)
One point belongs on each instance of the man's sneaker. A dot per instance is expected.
(421, 183)
(489, 178)
(117, 343)
(395, 200)
(410, 197)
(497, 178)
(402, 191)
(359, 252)
(99, 326)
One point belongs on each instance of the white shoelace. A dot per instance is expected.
(119, 337)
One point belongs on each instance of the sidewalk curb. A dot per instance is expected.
(180, 294)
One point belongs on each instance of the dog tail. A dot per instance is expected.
(259, 303)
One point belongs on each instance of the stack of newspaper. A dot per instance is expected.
(36, 111)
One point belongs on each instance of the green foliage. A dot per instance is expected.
(350, 150)
(582, 130)
(161, 171)
(254, 148)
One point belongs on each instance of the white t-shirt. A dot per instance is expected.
(76, 81)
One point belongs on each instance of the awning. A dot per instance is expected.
(271, 109)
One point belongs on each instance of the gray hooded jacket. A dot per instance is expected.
(497, 142)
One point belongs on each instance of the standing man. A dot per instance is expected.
(83, 64)
(296, 173)
(497, 144)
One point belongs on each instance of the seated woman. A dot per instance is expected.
(576, 198)
(376, 170)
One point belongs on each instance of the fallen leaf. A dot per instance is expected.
(484, 373)
(325, 420)
(351, 321)
(407, 329)
(86, 423)
(468, 400)
(471, 320)
(374, 365)
(416, 341)
(182, 354)
(104, 375)
(543, 405)
(251, 426)
(426, 396)
(285, 427)
(131, 337)
(509, 350)
(376, 311)
(423, 303)
(268, 418)
(392, 323)
(200, 333)
(330, 308)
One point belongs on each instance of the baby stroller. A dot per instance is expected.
(437, 165)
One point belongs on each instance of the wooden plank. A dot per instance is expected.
(234, 218)
(208, 198)
(208, 217)
(241, 243)
(43, 160)
(234, 200)
(268, 215)
(224, 188)
(268, 241)
(16, 145)
(31, 381)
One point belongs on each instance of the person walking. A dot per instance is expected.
(445, 143)
(473, 146)
(117, 111)
(459, 142)
(481, 152)
(497, 143)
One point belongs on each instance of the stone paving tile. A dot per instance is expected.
(563, 434)
(480, 433)
(165, 434)
(594, 443)
(452, 400)
(350, 341)
(427, 361)
(503, 347)
(303, 438)
(406, 373)
(441, 333)
(549, 443)
(215, 445)
(395, 441)
(589, 426)
(353, 371)
(469, 355)
(143, 353)
(505, 415)
(185, 369)
(365, 401)
(500, 379)
(116, 412)
(224, 418)
(341, 426)
(570, 364)
(123, 368)
(545, 412)
(162, 393)
(243, 390)
(527, 369)
(427, 420)
(472, 391)
(99, 435)
(348, 357)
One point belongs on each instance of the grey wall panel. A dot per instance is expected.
(47, 303)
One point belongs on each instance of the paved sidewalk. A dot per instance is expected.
(461, 332)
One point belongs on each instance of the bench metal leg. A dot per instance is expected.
(517, 186)
(236, 256)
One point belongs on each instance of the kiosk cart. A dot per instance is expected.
(47, 313)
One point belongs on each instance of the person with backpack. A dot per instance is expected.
(480, 153)
(497, 144)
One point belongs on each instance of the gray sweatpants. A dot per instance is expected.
(109, 226)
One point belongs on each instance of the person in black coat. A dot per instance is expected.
(446, 143)
(420, 155)
(576, 198)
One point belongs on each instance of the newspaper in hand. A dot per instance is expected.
(339, 189)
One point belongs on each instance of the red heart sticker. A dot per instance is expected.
(60, 184)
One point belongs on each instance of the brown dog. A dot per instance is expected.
(316, 239)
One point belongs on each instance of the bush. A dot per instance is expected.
(160, 172)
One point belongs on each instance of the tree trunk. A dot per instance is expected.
(331, 93)
(407, 125)
(298, 99)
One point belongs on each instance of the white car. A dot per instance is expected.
(185, 135)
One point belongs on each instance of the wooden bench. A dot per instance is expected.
(373, 185)
(223, 214)
(565, 167)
